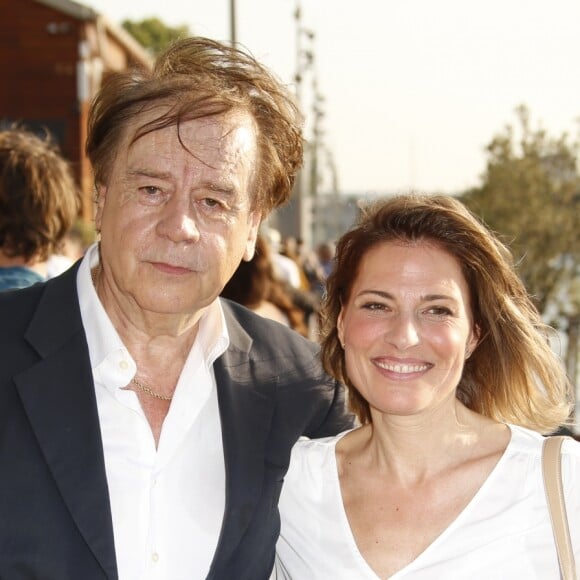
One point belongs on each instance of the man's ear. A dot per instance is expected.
(100, 201)
(255, 220)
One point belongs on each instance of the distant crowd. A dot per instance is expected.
(284, 281)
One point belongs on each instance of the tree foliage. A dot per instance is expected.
(153, 34)
(530, 195)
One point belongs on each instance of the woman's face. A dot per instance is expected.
(407, 328)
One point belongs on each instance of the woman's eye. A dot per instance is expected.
(439, 311)
(373, 306)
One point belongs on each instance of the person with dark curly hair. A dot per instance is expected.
(39, 202)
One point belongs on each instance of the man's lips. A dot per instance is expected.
(170, 268)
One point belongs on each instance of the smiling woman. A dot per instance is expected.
(450, 374)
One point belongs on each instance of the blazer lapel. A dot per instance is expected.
(246, 407)
(59, 399)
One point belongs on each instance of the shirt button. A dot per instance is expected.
(155, 556)
(124, 365)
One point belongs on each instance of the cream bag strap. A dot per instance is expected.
(552, 472)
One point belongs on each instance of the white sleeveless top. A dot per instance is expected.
(503, 533)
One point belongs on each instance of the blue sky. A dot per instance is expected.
(413, 90)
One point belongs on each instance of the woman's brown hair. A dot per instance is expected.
(513, 375)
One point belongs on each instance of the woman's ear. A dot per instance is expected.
(340, 328)
(473, 341)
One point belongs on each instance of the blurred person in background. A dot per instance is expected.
(255, 286)
(39, 202)
(453, 381)
(71, 249)
(288, 272)
(312, 268)
(289, 249)
(285, 269)
(145, 423)
(305, 296)
(325, 252)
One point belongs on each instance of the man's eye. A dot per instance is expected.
(150, 189)
(213, 203)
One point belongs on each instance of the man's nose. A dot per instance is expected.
(178, 222)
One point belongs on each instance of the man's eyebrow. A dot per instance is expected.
(138, 172)
(225, 188)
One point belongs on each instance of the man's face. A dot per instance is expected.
(174, 223)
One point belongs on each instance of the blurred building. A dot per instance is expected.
(55, 55)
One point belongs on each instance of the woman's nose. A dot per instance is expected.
(402, 331)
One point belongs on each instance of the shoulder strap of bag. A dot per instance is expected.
(552, 472)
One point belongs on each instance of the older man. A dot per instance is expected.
(146, 424)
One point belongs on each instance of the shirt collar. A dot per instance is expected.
(104, 341)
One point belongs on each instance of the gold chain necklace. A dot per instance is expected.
(149, 391)
(94, 274)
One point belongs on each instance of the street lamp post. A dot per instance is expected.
(233, 38)
(294, 219)
(304, 63)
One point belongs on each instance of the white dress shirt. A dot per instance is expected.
(504, 532)
(167, 503)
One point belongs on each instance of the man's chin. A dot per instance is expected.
(176, 302)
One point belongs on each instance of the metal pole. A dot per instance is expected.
(298, 194)
(233, 39)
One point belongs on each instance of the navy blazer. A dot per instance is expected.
(55, 518)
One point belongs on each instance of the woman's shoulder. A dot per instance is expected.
(526, 449)
(313, 459)
(311, 486)
(524, 439)
(310, 448)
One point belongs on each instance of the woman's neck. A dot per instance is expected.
(414, 449)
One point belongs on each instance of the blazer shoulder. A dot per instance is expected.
(52, 304)
(17, 306)
(271, 344)
(264, 333)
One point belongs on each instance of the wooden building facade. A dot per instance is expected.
(54, 56)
